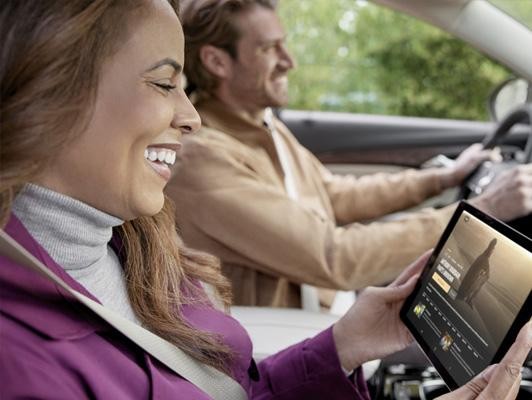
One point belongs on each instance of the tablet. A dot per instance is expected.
(473, 296)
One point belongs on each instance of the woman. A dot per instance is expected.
(91, 115)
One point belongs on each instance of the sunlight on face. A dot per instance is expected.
(260, 73)
(121, 163)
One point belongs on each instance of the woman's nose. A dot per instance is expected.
(186, 118)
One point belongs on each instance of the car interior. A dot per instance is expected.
(362, 143)
(353, 143)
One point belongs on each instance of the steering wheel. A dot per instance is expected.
(478, 180)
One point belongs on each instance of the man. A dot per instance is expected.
(249, 193)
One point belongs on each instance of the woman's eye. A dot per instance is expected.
(165, 86)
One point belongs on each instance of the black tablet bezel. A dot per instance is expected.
(523, 316)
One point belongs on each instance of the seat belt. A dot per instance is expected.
(213, 382)
(309, 294)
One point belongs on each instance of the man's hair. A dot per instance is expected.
(211, 22)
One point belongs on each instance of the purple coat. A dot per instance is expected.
(51, 347)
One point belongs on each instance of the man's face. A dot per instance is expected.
(258, 76)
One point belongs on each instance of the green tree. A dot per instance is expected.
(358, 57)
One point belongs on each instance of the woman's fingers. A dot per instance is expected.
(398, 293)
(470, 391)
(499, 381)
(509, 369)
(512, 395)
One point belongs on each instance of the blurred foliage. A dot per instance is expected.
(358, 57)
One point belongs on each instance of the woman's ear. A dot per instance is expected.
(216, 60)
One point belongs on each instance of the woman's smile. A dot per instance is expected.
(161, 157)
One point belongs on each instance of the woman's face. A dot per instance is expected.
(121, 163)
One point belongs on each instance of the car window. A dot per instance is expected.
(358, 57)
(521, 10)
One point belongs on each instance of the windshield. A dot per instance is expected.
(521, 10)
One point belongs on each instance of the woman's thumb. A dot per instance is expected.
(400, 292)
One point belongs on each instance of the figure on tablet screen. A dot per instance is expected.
(477, 275)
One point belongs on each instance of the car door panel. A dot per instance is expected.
(342, 138)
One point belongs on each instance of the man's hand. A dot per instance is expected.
(509, 196)
(500, 381)
(371, 328)
(466, 163)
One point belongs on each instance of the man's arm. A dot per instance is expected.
(223, 205)
(376, 195)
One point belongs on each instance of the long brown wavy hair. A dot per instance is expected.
(211, 22)
(50, 62)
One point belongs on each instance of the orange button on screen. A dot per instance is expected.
(441, 282)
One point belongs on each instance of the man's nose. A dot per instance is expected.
(286, 59)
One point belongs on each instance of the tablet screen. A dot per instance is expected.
(478, 281)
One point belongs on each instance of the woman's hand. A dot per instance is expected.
(371, 328)
(500, 381)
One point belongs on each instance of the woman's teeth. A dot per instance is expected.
(162, 155)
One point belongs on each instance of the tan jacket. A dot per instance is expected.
(231, 202)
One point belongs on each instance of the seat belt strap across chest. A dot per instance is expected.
(213, 382)
(309, 294)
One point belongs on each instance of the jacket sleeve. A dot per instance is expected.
(356, 199)
(310, 369)
(228, 209)
(374, 195)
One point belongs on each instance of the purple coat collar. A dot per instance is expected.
(34, 300)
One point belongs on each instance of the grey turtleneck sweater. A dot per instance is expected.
(77, 237)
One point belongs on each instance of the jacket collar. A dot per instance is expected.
(217, 115)
(37, 302)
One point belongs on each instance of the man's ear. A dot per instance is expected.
(217, 61)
